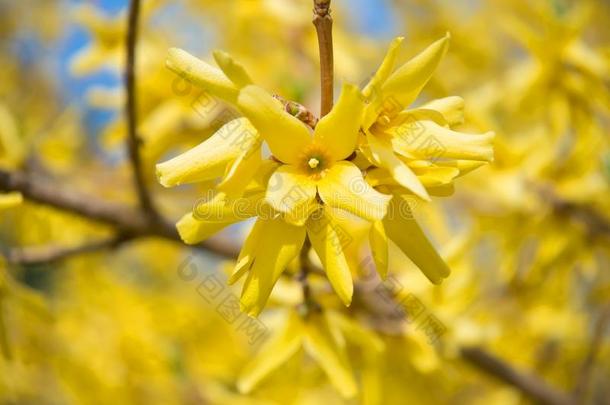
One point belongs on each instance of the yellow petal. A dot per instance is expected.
(220, 208)
(379, 248)
(202, 74)
(10, 200)
(426, 139)
(452, 108)
(338, 131)
(286, 135)
(321, 344)
(291, 192)
(383, 154)
(247, 253)
(233, 70)
(328, 239)
(373, 88)
(277, 350)
(355, 332)
(193, 231)
(283, 243)
(209, 159)
(405, 84)
(405, 232)
(241, 171)
(344, 187)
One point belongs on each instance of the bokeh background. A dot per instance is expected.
(528, 237)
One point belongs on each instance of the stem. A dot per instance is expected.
(324, 27)
(529, 384)
(586, 372)
(133, 140)
(36, 256)
(126, 220)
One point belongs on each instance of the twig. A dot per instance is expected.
(126, 220)
(586, 370)
(596, 224)
(37, 256)
(388, 320)
(324, 27)
(133, 140)
(529, 384)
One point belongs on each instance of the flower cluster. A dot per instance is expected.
(367, 159)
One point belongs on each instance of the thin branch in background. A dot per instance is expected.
(133, 140)
(46, 255)
(126, 220)
(586, 371)
(324, 27)
(389, 321)
(529, 384)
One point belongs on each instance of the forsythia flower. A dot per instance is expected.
(314, 175)
(323, 336)
(414, 151)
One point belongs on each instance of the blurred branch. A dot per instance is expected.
(36, 256)
(133, 140)
(529, 384)
(387, 319)
(126, 220)
(586, 370)
(324, 27)
(596, 224)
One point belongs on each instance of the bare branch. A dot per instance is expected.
(529, 384)
(126, 220)
(586, 370)
(37, 256)
(133, 140)
(324, 27)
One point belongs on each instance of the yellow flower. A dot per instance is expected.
(305, 186)
(323, 336)
(416, 147)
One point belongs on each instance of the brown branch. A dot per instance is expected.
(595, 223)
(37, 256)
(324, 27)
(529, 384)
(126, 220)
(586, 370)
(387, 319)
(133, 140)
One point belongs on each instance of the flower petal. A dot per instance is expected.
(198, 72)
(291, 192)
(285, 134)
(210, 158)
(383, 154)
(403, 230)
(344, 187)
(193, 231)
(328, 240)
(277, 350)
(233, 70)
(426, 139)
(452, 108)
(405, 84)
(241, 171)
(283, 243)
(373, 88)
(321, 344)
(379, 248)
(338, 131)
